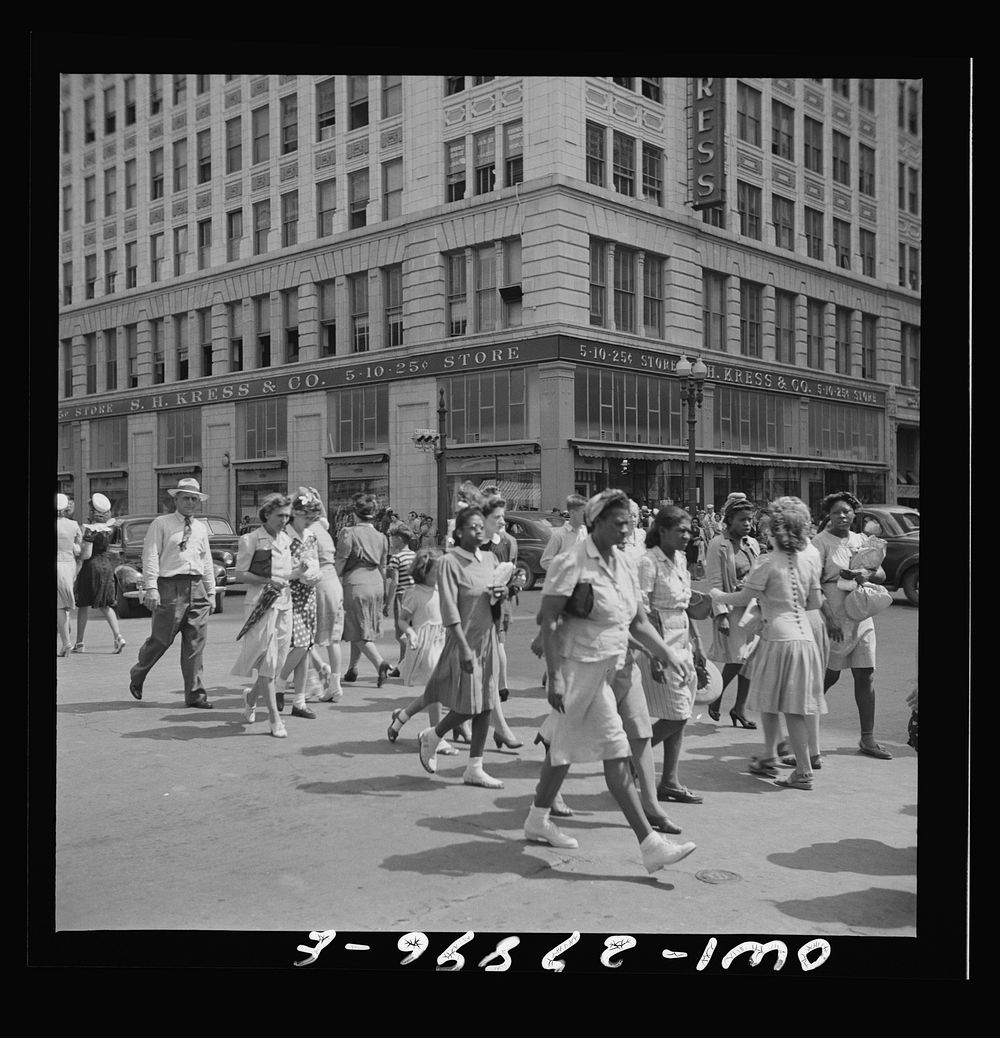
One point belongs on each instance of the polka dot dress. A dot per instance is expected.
(303, 605)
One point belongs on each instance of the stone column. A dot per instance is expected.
(731, 294)
(768, 312)
(251, 350)
(308, 321)
(121, 352)
(79, 365)
(856, 344)
(609, 289)
(829, 338)
(194, 345)
(800, 345)
(557, 417)
(640, 291)
(220, 339)
(144, 363)
(342, 308)
(278, 344)
(376, 311)
(170, 325)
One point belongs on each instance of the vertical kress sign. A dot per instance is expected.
(707, 134)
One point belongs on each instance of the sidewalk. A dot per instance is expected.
(170, 818)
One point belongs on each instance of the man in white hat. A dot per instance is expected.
(179, 579)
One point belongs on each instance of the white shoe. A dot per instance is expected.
(657, 852)
(427, 744)
(278, 730)
(447, 749)
(249, 712)
(541, 829)
(477, 777)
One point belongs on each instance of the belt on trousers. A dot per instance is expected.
(183, 576)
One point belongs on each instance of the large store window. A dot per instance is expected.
(764, 423)
(844, 431)
(262, 427)
(358, 419)
(114, 488)
(344, 482)
(180, 436)
(521, 488)
(109, 443)
(252, 486)
(623, 407)
(486, 407)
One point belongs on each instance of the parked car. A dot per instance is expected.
(127, 549)
(901, 530)
(532, 531)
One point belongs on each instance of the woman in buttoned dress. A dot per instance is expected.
(465, 677)
(67, 552)
(786, 669)
(730, 557)
(95, 583)
(665, 584)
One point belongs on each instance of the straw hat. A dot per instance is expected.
(188, 485)
(62, 502)
(713, 689)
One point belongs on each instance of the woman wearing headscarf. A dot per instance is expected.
(95, 583)
(594, 590)
(362, 557)
(730, 558)
(68, 538)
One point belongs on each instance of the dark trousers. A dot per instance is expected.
(185, 607)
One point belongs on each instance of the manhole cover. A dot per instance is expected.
(717, 876)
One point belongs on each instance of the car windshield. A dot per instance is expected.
(220, 526)
(137, 531)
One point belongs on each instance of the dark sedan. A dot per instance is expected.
(532, 531)
(901, 530)
(127, 548)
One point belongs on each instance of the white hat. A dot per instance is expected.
(100, 503)
(187, 486)
(713, 689)
(62, 502)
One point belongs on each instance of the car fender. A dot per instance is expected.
(904, 567)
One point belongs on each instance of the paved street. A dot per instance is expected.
(169, 818)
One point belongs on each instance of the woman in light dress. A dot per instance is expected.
(95, 583)
(785, 671)
(329, 604)
(68, 538)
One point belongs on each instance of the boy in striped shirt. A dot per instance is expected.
(397, 580)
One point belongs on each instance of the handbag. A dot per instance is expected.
(581, 601)
(260, 564)
(700, 606)
(867, 600)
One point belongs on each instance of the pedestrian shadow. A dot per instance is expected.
(502, 856)
(876, 907)
(379, 786)
(98, 708)
(219, 731)
(868, 857)
(382, 705)
(526, 722)
(491, 823)
(374, 747)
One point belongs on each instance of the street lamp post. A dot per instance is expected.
(692, 386)
(441, 454)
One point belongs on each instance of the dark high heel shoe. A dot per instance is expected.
(501, 742)
(351, 675)
(461, 735)
(714, 711)
(383, 673)
(743, 722)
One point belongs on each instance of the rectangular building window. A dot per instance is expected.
(598, 282)
(110, 110)
(748, 201)
(328, 319)
(486, 407)
(455, 170)
(713, 311)
(89, 125)
(842, 351)
(326, 114)
(289, 124)
(784, 327)
(129, 85)
(261, 226)
(782, 131)
(357, 198)
(357, 286)
(913, 98)
(180, 436)
(111, 360)
(484, 263)
(131, 185)
(479, 80)
(844, 431)
(748, 114)
(510, 284)
(180, 250)
(204, 156)
(181, 165)
(458, 301)
(814, 233)
(67, 130)
(815, 334)
(234, 145)
(751, 318)
(869, 332)
(260, 119)
(67, 367)
(909, 373)
(262, 427)
(812, 144)
(90, 358)
(110, 270)
(392, 96)
(513, 153)
(156, 346)
(181, 329)
(234, 318)
(913, 190)
(842, 87)
(652, 87)
(453, 85)
(202, 84)
(155, 94)
(290, 219)
(290, 309)
(326, 207)
(110, 191)
(358, 418)
(914, 272)
(652, 173)
(205, 340)
(595, 154)
(204, 244)
(89, 199)
(902, 264)
(484, 156)
(357, 102)
(67, 207)
(783, 215)
(623, 164)
(89, 275)
(866, 246)
(156, 174)
(234, 233)
(262, 324)
(841, 158)
(392, 189)
(842, 243)
(131, 264)
(132, 356)
(652, 296)
(764, 423)
(627, 407)
(109, 443)
(180, 90)
(392, 292)
(624, 271)
(866, 170)
(866, 94)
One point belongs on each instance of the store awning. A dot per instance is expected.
(356, 459)
(189, 466)
(114, 473)
(260, 463)
(494, 451)
(586, 450)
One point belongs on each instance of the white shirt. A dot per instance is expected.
(162, 555)
(563, 538)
